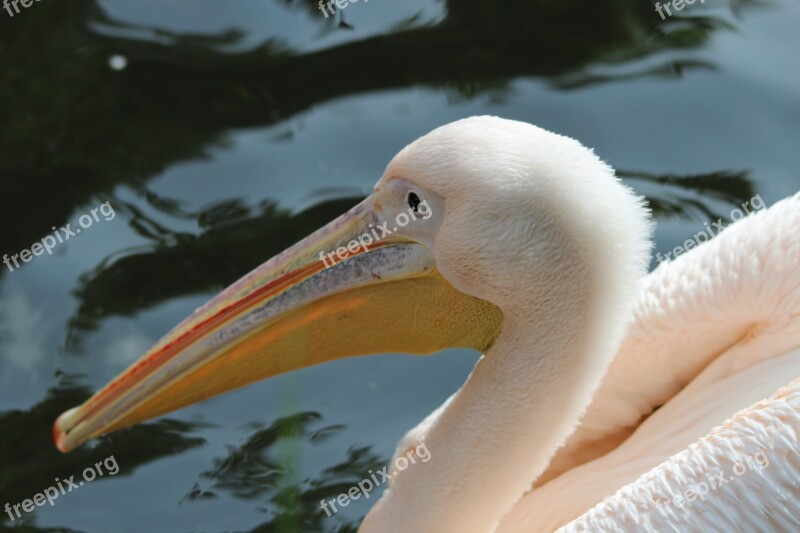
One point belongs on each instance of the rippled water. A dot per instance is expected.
(222, 132)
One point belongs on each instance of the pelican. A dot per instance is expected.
(605, 397)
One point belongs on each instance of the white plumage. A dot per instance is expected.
(714, 332)
(537, 225)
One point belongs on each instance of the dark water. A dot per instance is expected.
(222, 132)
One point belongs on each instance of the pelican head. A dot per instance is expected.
(487, 234)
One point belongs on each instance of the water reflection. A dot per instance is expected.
(260, 470)
(187, 90)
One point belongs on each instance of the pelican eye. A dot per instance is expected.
(414, 201)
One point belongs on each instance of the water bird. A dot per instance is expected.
(604, 394)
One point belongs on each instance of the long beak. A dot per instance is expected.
(300, 308)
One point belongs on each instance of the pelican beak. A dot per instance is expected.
(300, 308)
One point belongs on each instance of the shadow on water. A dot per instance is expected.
(178, 97)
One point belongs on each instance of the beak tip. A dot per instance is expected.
(63, 425)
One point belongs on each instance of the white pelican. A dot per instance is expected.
(535, 254)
